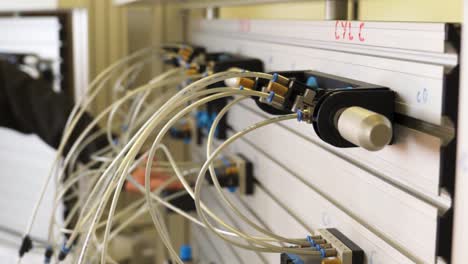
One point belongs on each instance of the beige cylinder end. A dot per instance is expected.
(365, 128)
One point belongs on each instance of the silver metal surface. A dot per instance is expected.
(365, 128)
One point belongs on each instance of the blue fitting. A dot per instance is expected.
(295, 259)
(270, 97)
(312, 82)
(180, 60)
(232, 189)
(323, 253)
(202, 119)
(205, 74)
(241, 87)
(187, 140)
(225, 161)
(185, 253)
(224, 57)
(48, 255)
(65, 249)
(275, 77)
(300, 115)
(311, 241)
(115, 141)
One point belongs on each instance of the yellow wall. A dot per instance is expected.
(412, 10)
(300, 10)
(378, 10)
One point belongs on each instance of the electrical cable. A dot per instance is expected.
(215, 178)
(69, 124)
(214, 78)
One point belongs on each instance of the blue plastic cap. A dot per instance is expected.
(275, 77)
(232, 189)
(185, 253)
(311, 241)
(299, 115)
(270, 97)
(65, 249)
(224, 57)
(312, 82)
(295, 259)
(225, 161)
(322, 251)
(180, 60)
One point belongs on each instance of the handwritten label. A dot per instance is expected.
(293, 66)
(244, 26)
(349, 31)
(270, 60)
(422, 96)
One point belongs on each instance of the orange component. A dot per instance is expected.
(282, 80)
(157, 179)
(277, 88)
(246, 83)
(330, 252)
(331, 261)
(185, 52)
(186, 127)
(191, 71)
